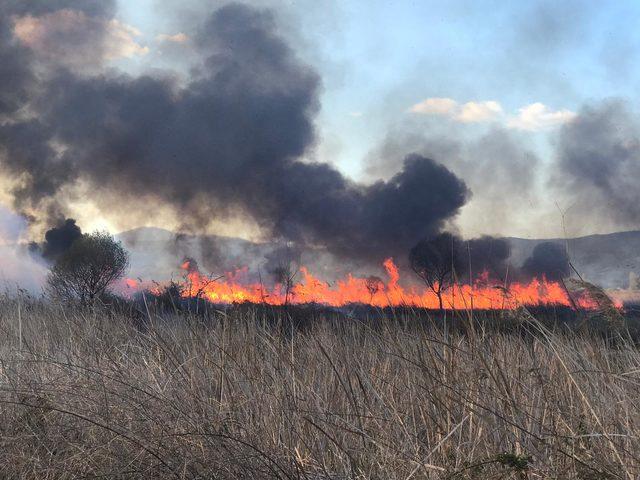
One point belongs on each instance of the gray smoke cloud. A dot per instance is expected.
(229, 141)
(598, 162)
(26, 152)
(17, 75)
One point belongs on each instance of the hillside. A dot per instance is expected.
(603, 259)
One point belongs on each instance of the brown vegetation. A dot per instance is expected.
(90, 393)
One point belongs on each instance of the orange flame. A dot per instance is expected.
(481, 295)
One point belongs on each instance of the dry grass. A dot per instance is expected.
(92, 395)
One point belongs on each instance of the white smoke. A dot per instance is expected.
(18, 269)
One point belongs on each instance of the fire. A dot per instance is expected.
(482, 294)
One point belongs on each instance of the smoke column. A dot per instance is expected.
(228, 142)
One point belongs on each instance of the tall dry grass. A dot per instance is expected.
(95, 395)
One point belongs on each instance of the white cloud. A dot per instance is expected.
(470, 112)
(533, 117)
(74, 38)
(435, 106)
(538, 116)
(473, 112)
(177, 38)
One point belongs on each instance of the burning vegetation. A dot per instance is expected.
(481, 294)
(444, 277)
(446, 273)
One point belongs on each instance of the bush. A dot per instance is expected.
(87, 269)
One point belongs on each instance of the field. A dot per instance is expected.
(256, 393)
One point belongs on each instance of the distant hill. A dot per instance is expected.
(603, 259)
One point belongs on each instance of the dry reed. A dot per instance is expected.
(95, 395)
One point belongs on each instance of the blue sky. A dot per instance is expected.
(400, 53)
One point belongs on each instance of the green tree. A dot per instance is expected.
(87, 269)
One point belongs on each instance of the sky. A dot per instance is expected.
(489, 89)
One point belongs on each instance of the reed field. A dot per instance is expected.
(103, 393)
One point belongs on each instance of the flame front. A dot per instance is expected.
(350, 290)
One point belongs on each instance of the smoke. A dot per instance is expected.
(470, 259)
(318, 205)
(17, 72)
(498, 166)
(17, 267)
(548, 260)
(80, 40)
(26, 152)
(59, 239)
(490, 255)
(12, 227)
(283, 263)
(228, 142)
(599, 164)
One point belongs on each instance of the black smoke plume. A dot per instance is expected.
(548, 260)
(465, 259)
(488, 254)
(57, 240)
(227, 142)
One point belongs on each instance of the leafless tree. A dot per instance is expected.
(437, 261)
(284, 267)
(285, 274)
